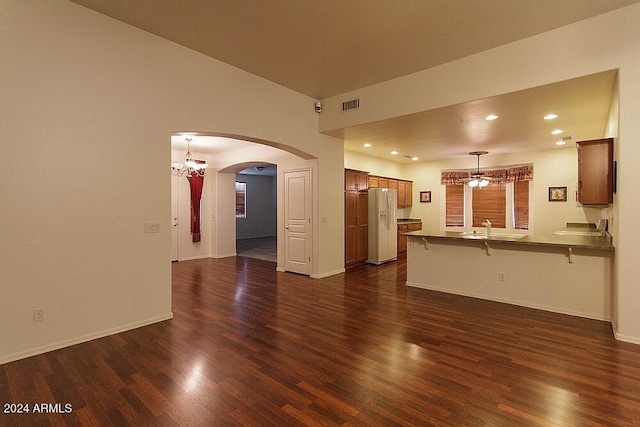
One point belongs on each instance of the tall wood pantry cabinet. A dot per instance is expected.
(595, 171)
(356, 198)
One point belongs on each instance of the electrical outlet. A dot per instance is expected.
(38, 314)
(151, 227)
(501, 277)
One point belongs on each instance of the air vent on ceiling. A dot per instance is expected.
(353, 104)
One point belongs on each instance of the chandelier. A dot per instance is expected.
(190, 165)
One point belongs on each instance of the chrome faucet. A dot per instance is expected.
(487, 224)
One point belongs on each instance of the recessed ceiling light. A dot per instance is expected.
(491, 117)
(367, 145)
(557, 132)
(414, 158)
(551, 116)
(394, 152)
(561, 142)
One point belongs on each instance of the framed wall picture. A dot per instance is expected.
(425, 197)
(557, 194)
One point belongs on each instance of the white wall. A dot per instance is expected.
(606, 42)
(375, 165)
(90, 103)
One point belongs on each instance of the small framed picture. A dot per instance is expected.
(425, 197)
(557, 194)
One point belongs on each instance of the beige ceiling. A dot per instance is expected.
(323, 48)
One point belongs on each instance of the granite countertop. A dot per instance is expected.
(585, 242)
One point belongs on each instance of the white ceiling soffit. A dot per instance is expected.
(582, 106)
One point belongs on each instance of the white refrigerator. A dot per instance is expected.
(383, 231)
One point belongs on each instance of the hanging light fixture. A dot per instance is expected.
(477, 180)
(190, 165)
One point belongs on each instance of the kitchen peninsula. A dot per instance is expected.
(569, 274)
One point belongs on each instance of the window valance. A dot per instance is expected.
(512, 174)
(454, 177)
(520, 173)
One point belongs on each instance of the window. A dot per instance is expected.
(505, 202)
(489, 203)
(241, 199)
(521, 205)
(455, 205)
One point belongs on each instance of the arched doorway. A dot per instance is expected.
(226, 156)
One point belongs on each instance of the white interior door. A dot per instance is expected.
(174, 218)
(297, 221)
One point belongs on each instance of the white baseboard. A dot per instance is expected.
(73, 341)
(223, 255)
(331, 273)
(512, 302)
(194, 257)
(625, 338)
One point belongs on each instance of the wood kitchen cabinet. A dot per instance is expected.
(595, 172)
(408, 201)
(404, 188)
(356, 217)
(402, 193)
(356, 180)
(405, 228)
(405, 194)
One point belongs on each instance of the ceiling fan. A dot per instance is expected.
(477, 179)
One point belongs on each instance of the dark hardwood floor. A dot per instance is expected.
(254, 347)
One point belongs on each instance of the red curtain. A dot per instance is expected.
(195, 183)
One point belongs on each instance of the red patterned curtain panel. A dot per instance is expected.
(196, 182)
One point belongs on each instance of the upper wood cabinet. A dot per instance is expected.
(356, 180)
(405, 188)
(408, 201)
(402, 193)
(595, 172)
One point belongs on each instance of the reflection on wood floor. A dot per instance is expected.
(252, 346)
